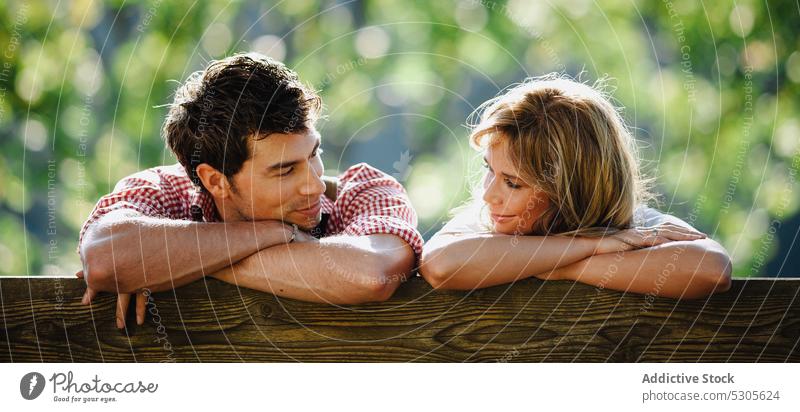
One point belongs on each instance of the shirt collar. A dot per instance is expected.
(202, 207)
(326, 205)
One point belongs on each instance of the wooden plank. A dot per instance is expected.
(530, 321)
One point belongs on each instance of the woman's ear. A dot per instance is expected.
(214, 181)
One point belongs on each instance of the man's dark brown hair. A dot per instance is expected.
(217, 111)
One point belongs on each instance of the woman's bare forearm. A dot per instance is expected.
(470, 261)
(686, 269)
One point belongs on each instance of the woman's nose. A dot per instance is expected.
(490, 195)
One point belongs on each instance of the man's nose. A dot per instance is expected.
(314, 185)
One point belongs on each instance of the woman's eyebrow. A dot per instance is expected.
(502, 173)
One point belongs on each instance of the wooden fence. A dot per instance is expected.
(530, 321)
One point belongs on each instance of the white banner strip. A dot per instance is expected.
(400, 387)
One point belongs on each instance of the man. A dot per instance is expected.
(248, 204)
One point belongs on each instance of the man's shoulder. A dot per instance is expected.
(164, 177)
(363, 172)
(364, 178)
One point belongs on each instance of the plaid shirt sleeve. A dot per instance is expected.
(372, 202)
(142, 192)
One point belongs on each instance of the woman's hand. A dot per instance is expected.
(641, 237)
(631, 239)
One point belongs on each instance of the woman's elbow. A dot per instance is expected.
(713, 275)
(718, 271)
(435, 268)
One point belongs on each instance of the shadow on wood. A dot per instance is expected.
(530, 321)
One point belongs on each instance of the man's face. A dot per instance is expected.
(282, 180)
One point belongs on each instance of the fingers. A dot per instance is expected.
(79, 274)
(672, 235)
(635, 238)
(88, 296)
(141, 305)
(674, 232)
(122, 308)
(641, 238)
(680, 229)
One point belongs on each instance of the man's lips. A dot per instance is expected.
(311, 210)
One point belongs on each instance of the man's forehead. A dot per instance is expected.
(274, 144)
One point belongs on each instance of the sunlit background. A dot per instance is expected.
(711, 90)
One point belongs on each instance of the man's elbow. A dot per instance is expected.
(101, 274)
(109, 264)
(96, 267)
(382, 278)
(372, 289)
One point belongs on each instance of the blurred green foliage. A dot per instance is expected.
(711, 90)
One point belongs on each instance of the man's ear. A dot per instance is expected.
(214, 181)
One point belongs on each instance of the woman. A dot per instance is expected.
(562, 198)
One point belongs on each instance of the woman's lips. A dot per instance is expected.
(501, 218)
(311, 211)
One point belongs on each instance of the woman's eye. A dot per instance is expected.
(291, 169)
(317, 152)
(512, 185)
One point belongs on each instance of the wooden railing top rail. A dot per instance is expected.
(530, 321)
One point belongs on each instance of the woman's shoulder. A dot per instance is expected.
(648, 216)
(466, 219)
(645, 215)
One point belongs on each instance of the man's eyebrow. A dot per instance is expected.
(290, 163)
(502, 173)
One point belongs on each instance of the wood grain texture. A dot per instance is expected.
(530, 321)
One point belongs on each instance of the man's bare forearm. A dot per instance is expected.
(339, 270)
(125, 251)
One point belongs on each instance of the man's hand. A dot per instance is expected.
(123, 300)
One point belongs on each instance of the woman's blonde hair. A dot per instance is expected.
(569, 141)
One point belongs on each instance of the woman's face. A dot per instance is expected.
(514, 205)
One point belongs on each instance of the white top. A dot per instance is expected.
(471, 219)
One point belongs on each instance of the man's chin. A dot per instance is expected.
(306, 224)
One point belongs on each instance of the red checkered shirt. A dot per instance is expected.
(368, 201)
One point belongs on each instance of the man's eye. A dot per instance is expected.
(317, 152)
